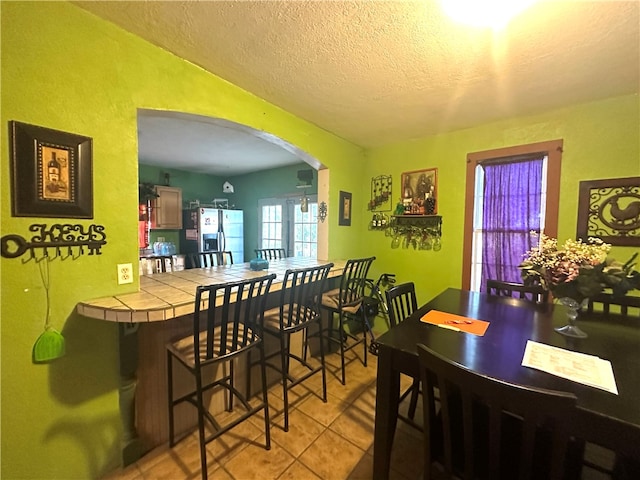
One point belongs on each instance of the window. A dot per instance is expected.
(284, 225)
(305, 230)
(509, 203)
(271, 225)
(496, 180)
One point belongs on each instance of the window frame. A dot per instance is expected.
(553, 150)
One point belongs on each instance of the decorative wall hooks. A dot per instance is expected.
(58, 240)
(380, 193)
(610, 210)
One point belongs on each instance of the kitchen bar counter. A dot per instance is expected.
(164, 296)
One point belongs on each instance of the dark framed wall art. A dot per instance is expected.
(51, 172)
(345, 209)
(609, 209)
(420, 189)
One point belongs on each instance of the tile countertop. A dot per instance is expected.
(164, 296)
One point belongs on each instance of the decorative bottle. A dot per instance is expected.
(53, 168)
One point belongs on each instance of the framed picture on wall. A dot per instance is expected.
(420, 190)
(345, 209)
(51, 173)
(609, 209)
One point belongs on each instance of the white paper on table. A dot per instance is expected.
(578, 367)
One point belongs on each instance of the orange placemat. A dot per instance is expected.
(456, 322)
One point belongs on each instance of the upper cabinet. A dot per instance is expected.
(166, 211)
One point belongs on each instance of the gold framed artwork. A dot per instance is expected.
(51, 173)
(419, 191)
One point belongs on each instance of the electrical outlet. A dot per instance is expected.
(161, 239)
(125, 273)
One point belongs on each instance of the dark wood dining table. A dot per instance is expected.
(606, 419)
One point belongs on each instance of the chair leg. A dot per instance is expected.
(341, 333)
(365, 325)
(284, 358)
(322, 363)
(413, 401)
(265, 397)
(203, 446)
(231, 382)
(249, 366)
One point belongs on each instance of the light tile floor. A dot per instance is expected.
(325, 441)
(328, 441)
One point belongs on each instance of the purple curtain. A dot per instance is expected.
(511, 210)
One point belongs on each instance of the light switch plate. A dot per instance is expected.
(125, 273)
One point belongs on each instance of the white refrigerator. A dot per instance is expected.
(214, 230)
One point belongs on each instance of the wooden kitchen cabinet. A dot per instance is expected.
(166, 210)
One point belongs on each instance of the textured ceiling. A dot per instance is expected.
(376, 72)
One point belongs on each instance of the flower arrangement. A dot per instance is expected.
(578, 270)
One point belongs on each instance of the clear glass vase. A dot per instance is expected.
(573, 309)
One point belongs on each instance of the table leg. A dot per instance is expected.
(387, 394)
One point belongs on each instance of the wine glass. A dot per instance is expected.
(426, 241)
(437, 244)
(395, 241)
(407, 239)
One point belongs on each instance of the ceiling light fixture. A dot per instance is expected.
(494, 14)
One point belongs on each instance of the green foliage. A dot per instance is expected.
(146, 192)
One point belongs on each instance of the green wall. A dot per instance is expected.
(601, 140)
(65, 69)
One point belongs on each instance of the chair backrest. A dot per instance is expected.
(401, 302)
(159, 263)
(625, 305)
(233, 313)
(203, 259)
(533, 293)
(224, 258)
(301, 296)
(353, 281)
(490, 428)
(271, 253)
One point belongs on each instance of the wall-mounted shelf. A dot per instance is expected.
(433, 222)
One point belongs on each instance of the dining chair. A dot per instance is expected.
(402, 302)
(607, 302)
(488, 428)
(271, 253)
(345, 302)
(534, 293)
(226, 324)
(298, 310)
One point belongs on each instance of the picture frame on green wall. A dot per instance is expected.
(344, 217)
(609, 209)
(51, 172)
